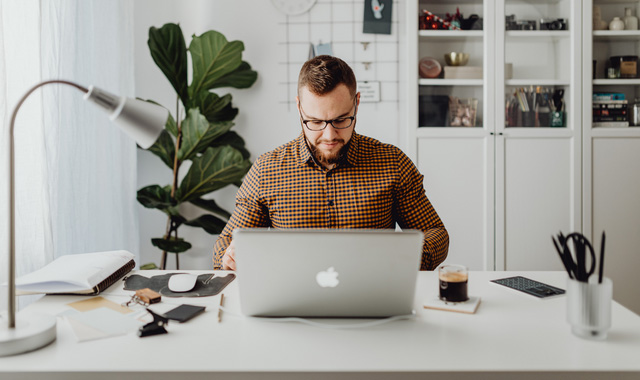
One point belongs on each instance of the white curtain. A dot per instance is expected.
(75, 171)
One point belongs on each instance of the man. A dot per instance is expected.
(332, 177)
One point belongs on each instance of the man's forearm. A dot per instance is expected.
(435, 248)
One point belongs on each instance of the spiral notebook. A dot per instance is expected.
(84, 274)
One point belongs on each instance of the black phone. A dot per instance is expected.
(184, 312)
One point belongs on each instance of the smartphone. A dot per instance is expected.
(184, 312)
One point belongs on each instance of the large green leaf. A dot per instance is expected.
(213, 170)
(209, 223)
(155, 196)
(234, 140)
(171, 245)
(198, 133)
(211, 205)
(214, 107)
(164, 147)
(212, 57)
(169, 52)
(242, 77)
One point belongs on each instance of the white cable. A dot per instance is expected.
(325, 325)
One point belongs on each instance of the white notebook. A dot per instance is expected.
(85, 273)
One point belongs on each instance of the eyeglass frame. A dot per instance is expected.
(327, 122)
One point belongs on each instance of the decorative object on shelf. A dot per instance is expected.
(140, 120)
(293, 7)
(616, 24)
(433, 110)
(635, 114)
(535, 107)
(626, 65)
(462, 72)
(598, 22)
(199, 139)
(429, 67)
(462, 112)
(456, 58)
(429, 21)
(553, 24)
(630, 20)
(512, 24)
(377, 16)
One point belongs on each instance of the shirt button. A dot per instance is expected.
(329, 174)
(330, 203)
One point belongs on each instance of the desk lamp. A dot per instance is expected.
(140, 120)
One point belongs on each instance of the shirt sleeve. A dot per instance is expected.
(414, 211)
(250, 212)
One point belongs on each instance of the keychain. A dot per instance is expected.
(144, 297)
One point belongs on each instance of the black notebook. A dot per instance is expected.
(84, 274)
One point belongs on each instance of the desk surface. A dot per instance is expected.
(510, 332)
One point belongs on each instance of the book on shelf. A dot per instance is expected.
(600, 119)
(610, 124)
(608, 96)
(609, 102)
(84, 274)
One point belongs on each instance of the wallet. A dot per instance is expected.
(184, 312)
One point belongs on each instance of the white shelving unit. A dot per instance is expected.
(501, 191)
(611, 156)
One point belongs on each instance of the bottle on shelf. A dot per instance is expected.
(630, 20)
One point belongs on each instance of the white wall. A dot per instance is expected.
(264, 122)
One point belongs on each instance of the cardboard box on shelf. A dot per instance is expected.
(462, 72)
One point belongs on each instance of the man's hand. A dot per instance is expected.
(229, 258)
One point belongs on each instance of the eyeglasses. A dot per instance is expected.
(319, 125)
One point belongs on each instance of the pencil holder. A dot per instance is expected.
(589, 308)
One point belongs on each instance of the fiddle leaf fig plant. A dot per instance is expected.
(217, 155)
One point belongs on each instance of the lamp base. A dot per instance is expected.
(32, 331)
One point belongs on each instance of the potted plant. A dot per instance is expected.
(202, 135)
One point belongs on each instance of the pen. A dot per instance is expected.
(601, 269)
(220, 308)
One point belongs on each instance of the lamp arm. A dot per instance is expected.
(12, 252)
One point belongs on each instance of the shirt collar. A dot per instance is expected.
(304, 154)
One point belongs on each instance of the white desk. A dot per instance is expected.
(511, 333)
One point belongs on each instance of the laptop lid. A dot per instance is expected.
(327, 273)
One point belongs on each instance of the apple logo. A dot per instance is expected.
(328, 278)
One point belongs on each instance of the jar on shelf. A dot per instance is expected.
(635, 113)
(616, 24)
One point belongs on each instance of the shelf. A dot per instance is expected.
(615, 132)
(450, 82)
(538, 33)
(536, 82)
(616, 82)
(443, 35)
(616, 35)
(449, 132)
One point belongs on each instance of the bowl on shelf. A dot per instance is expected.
(456, 58)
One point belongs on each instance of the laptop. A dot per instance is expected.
(327, 272)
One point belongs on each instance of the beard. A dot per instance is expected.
(327, 158)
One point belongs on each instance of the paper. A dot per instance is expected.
(97, 302)
(468, 307)
(74, 273)
(100, 323)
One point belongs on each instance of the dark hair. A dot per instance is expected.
(323, 73)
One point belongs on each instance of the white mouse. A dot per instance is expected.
(182, 282)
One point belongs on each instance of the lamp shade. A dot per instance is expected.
(142, 121)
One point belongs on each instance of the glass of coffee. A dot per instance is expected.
(453, 283)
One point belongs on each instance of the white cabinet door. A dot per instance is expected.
(615, 188)
(537, 197)
(458, 178)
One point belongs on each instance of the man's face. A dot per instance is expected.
(328, 144)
